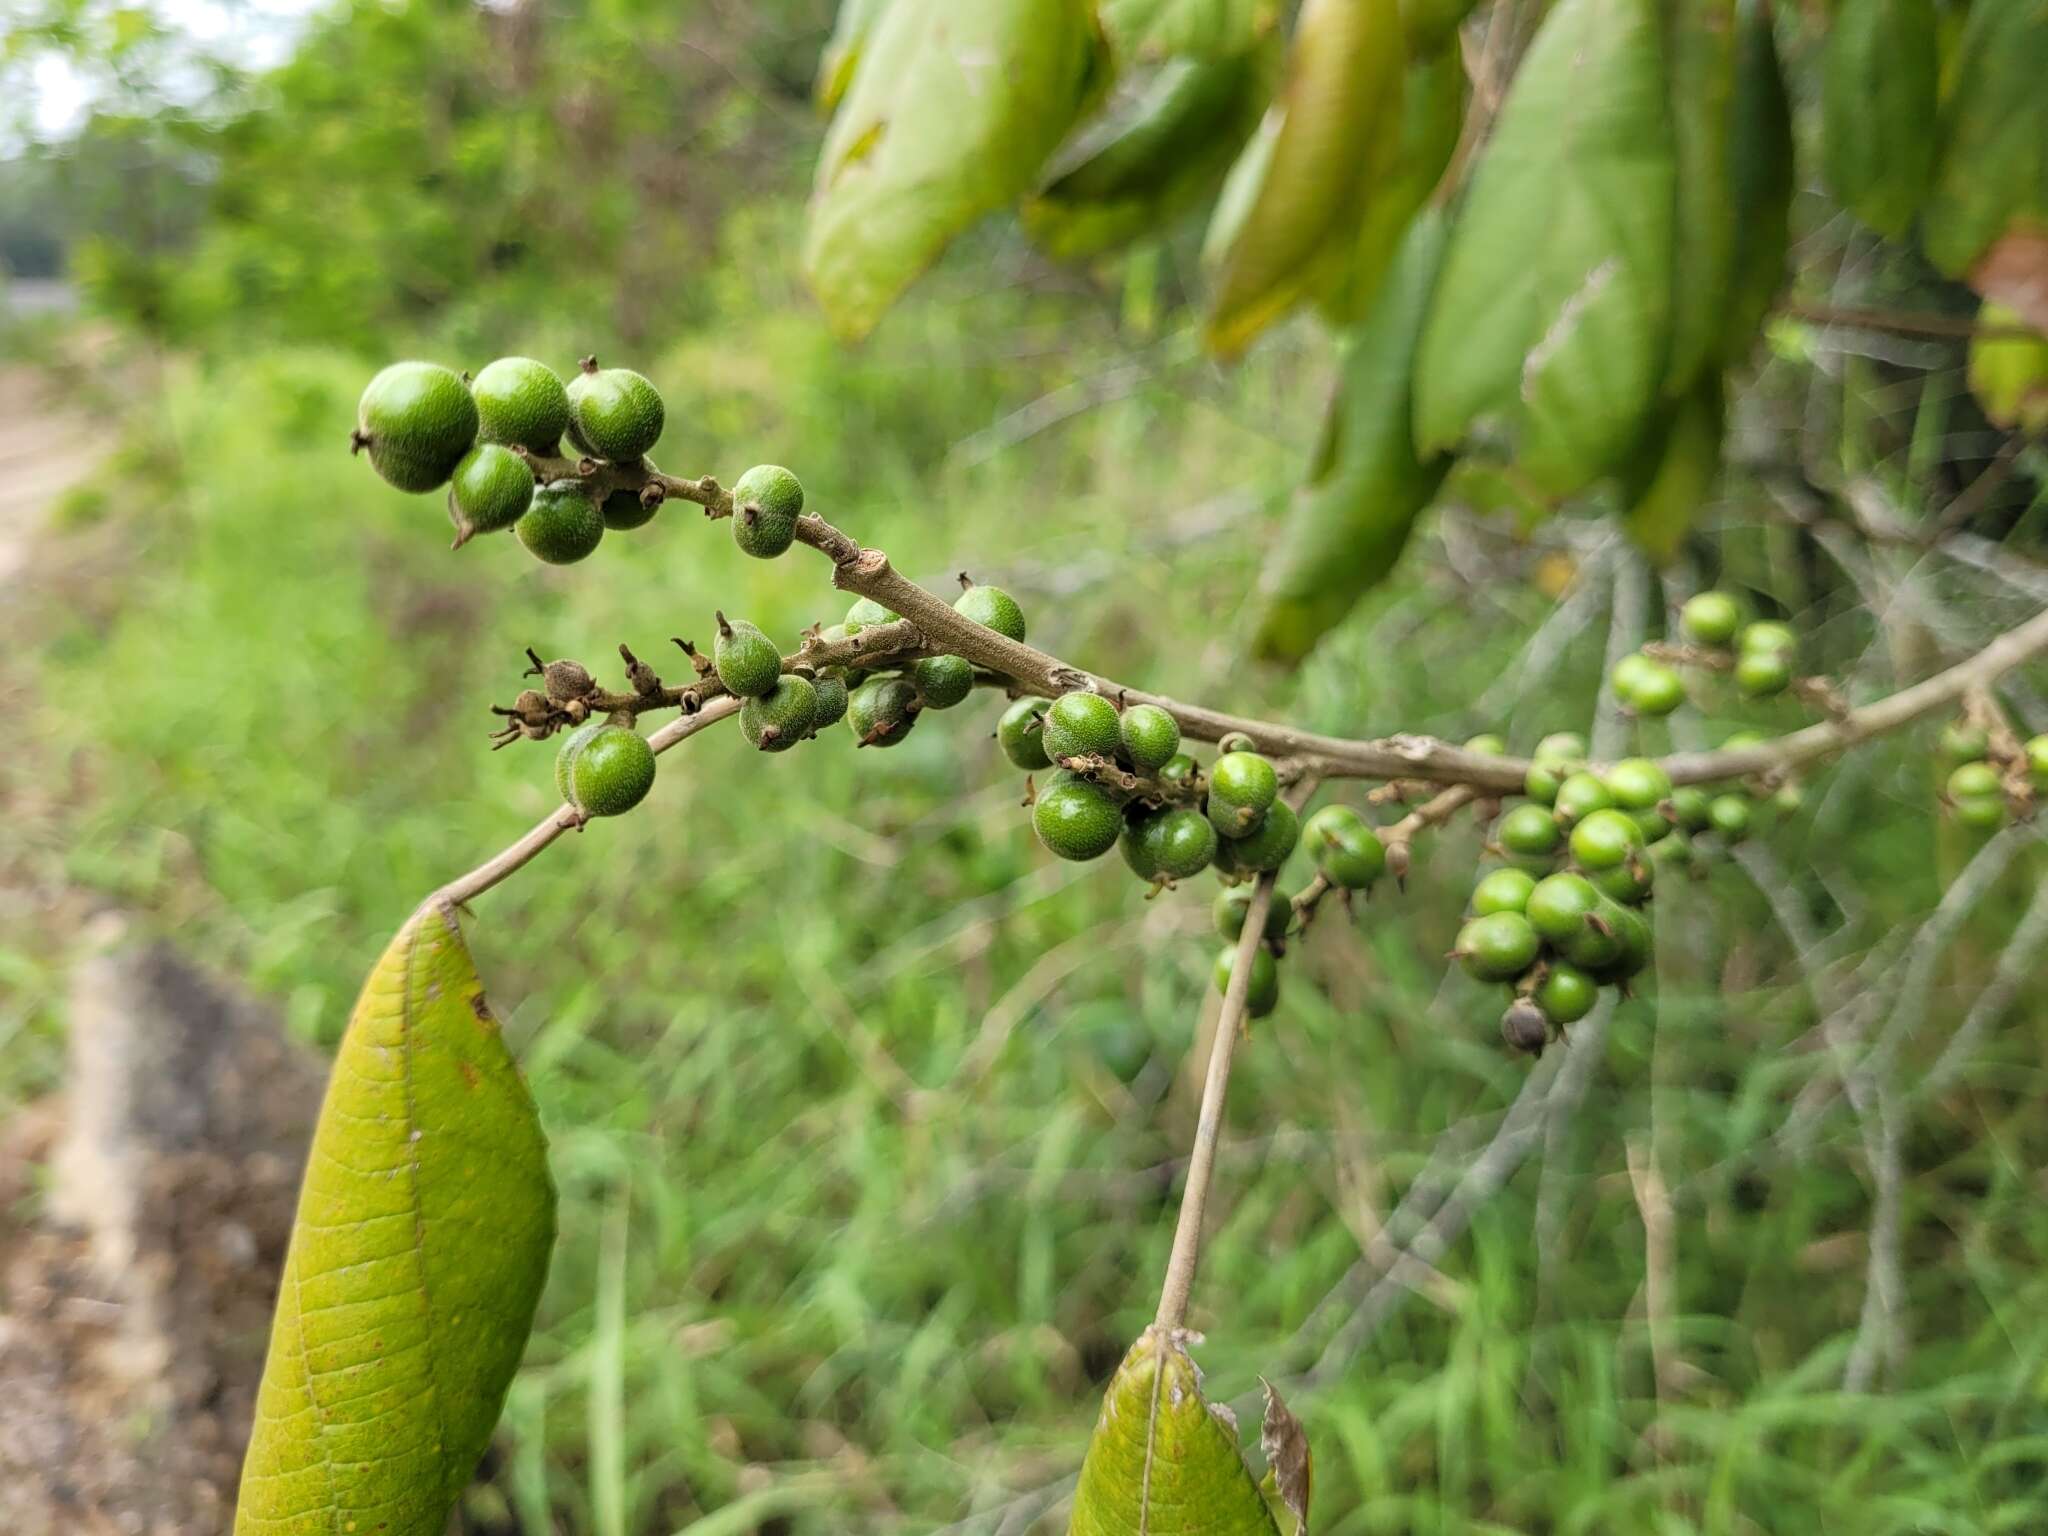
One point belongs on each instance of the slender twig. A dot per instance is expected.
(1905, 322)
(2018, 962)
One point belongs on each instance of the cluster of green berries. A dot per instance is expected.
(1759, 654)
(1976, 789)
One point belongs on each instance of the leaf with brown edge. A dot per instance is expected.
(1289, 1461)
(2013, 273)
(1162, 1460)
(416, 1260)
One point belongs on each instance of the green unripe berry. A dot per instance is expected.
(1638, 784)
(1543, 780)
(1656, 691)
(1178, 769)
(1632, 942)
(1524, 1028)
(1674, 850)
(1497, 947)
(1075, 819)
(1262, 991)
(1788, 797)
(1628, 673)
(1242, 785)
(1768, 637)
(828, 704)
(1267, 846)
(1974, 779)
(881, 711)
(2037, 759)
(1558, 906)
(1579, 796)
(1081, 725)
(1529, 831)
(1151, 737)
(1742, 741)
(746, 660)
(1761, 674)
(492, 490)
(766, 502)
(1234, 903)
(1605, 839)
(1347, 850)
(612, 772)
(1021, 733)
(1486, 744)
(943, 681)
(1174, 844)
(1980, 813)
(1729, 816)
(1689, 801)
(1566, 993)
(565, 757)
(866, 611)
(1504, 890)
(1962, 742)
(417, 420)
(561, 526)
(521, 402)
(1629, 882)
(1654, 824)
(1561, 747)
(1712, 618)
(623, 510)
(616, 413)
(992, 608)
(777, 720)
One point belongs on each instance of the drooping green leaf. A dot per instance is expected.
(2009, 373)
(1880, 81)
(1162, 1462)
(1351, 520)
(1152, 157)
(1760, 179)
(1700, 53)
(415, 1263)
(1204, 29)
(850, 31)
(1553, 312)
(1341, 95)
(951, 113)
(1992, 172)
(1677, 467)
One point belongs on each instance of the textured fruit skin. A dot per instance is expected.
(992, 608)
(777, 720)
(616, 413)
(492, 488)
(1241, 787)
(1498, 947)
(561, 526)
(1503, 890)
(613, 772)
(1178, 842)
(1579, 796)
(565, 757)
(1265, 848)
(943, 681)
(1529, 830)
(623, 510)
(1729, 816)
(1076, 820)
(828, 702)
(1346, 849)
(1761, 674)
(1558, 906)
(1021, 733)
(1567, 994)
(866, 611)
(521, 402)
(1262, 991)
(1233, 905)
(1178, 769)
(746, 660)
(1080, 724)
(881, 711)
(1711, 618)
(1637, 784)
(418, 420)
(767, 500)
(1151, 737)
(1131, 844)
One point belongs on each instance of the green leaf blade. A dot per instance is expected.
(1993, 168)
(1879, 99)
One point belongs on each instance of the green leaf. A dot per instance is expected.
(1351, 521)
(1206, 29)
(1700, 53)
(1342, 94)
(1760, 179)
(1880, 86)
(2009, 374)
(415, 1263)
(1554, 309)
(1162, 1462)
(1992, 172)
(1678, 466)
(1433, 24)
(952, 111)
(850, 32)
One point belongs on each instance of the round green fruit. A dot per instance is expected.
(1974, 780)
(1962, 742)
(1711, 618)
(992, 608)
(1021, 733)
(1344, 845)
(1529, 831)
(565, 757)
(623, 510)
(881, 711)
(1558, 906)
(1729, 816)
(561, 526)
(1266, 847)
(746, 660)
(1175, 843)
(417, 420)
(1486, 744)
(766, 502)
(1980, 813)
(492, 489)
(1234, 903)
(1762, 674)
(777, 720)
(1497, 947)
(1262, 991)
(943, 681)
(1690, 803)
(521, 403)
(1543, 780)
(1768, 637)
(1178, 769)
(1075, 819)
(617, 413)
(1628, 883)
(1606, 840)
(1561, 747)
(866, 611)
(829, 706)
(1242, 785)
(1566, 993)
(1503, 890)
(1656, 692)
(1080, 725)
(1628, 673)
(1151, 737)
(1632, 940)
(1638, 784)
(612, 772)
(1579, 797)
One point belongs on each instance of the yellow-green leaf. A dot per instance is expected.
(1162, 1462)
(1992, 172)
(1144, 30)
(1553, 311)
(1351, 521)
(2009, 373)
(1760, 180)
(1679, 464)
(952, 111)
(1341, 94)
(1880, 81)
(850, 30)
(415, 1263)
(1433, 24)
(1700, 54)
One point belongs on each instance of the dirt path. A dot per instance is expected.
(46, 448)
